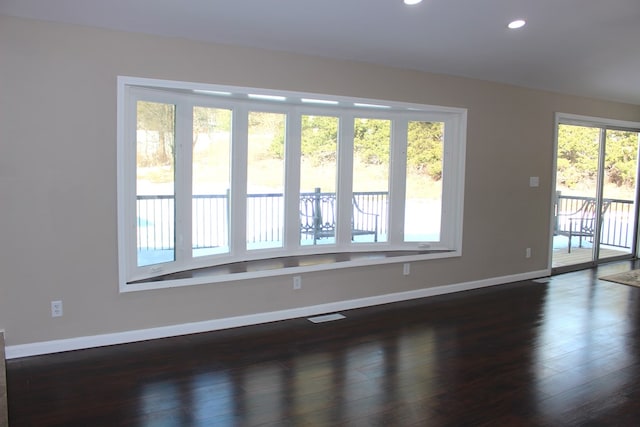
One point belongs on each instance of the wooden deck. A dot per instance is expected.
(582, 255)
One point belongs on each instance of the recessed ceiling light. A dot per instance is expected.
(518, 23)
(360, 104)
(412, 2)
(266, 97)
(212, 92)
(318, 101)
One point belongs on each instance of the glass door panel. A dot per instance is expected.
(618, 194)
(595, 195)
(576, 190)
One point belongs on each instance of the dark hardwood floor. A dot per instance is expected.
(562, 353)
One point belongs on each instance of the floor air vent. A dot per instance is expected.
(326, 318)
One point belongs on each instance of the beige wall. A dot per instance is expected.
(58, 177)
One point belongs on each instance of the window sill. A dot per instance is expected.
(282, 266)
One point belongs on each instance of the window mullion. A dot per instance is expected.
(183, 198)
(344, 185)
(238, 193)
(397, 185)
(292, 180)
(128, 185)
(453, 181)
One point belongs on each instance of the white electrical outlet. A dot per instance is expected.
(406, 269)
(297, 283)
(56, 308)
(527, 253)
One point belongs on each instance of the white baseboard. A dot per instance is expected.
(56, 346)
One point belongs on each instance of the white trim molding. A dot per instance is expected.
(79, 343)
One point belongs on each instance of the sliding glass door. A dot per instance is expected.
(595, 215)
(618, 194)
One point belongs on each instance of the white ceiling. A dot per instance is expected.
(583, 47)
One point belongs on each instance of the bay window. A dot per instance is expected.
(215, 175)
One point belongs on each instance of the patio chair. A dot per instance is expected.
(318, 217)
(581, 223)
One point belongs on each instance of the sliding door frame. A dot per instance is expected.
(603, 125)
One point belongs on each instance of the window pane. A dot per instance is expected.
(211, 180)
(155, 189)
(424, 181)
(318, 176)
(372, 139)
(265, 180)
(619, 189)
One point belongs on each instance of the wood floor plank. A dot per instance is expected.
(562, 353)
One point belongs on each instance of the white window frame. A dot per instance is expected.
(184, 95)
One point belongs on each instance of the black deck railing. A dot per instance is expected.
(210, 218)
(617, 221)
